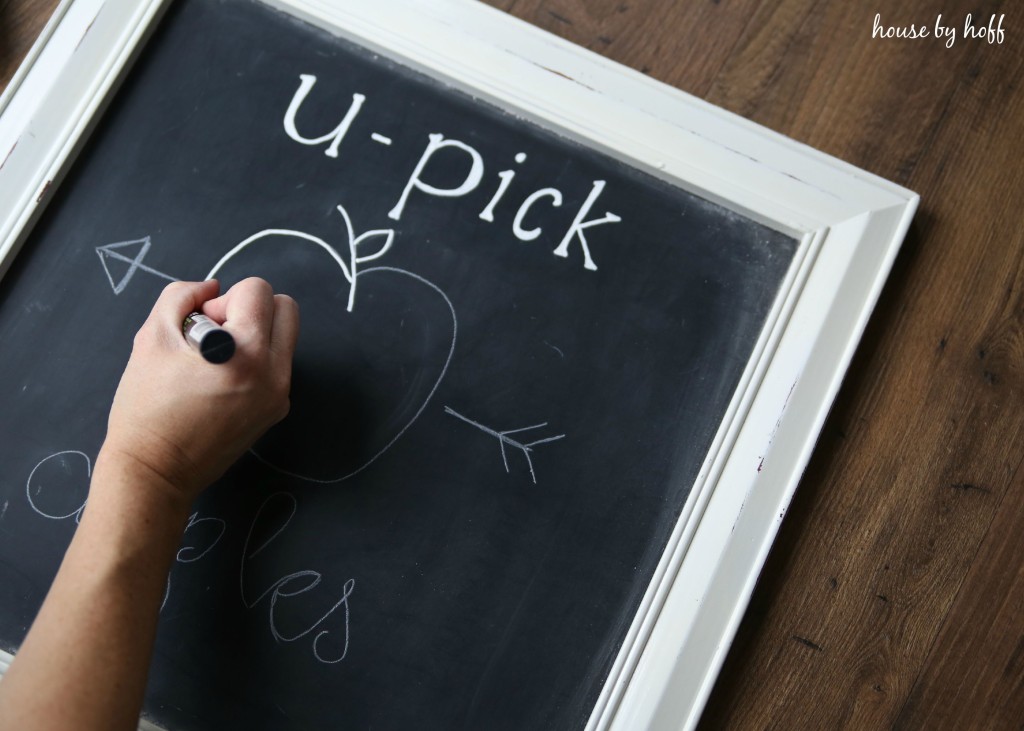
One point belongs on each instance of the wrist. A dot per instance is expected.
(125, 485)
(130, 530)
(145, 476)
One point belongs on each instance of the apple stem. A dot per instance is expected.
(353, 244)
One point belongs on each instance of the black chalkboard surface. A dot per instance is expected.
(515, 354)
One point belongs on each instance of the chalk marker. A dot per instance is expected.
(212, 341)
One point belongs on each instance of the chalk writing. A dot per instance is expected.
(517, 222)
(65, 478)
(440, 146)
(504, 439)
(292, 585)
(306, 82)
(444, 370)
(190, 553)
(354, 242)
(436, 143)
(579, 223)
(115, 252)
(350, 270)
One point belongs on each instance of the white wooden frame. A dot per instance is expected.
(850, 224)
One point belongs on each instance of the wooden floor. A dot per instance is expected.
(894, 596)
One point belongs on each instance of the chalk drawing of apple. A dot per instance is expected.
(374, 345)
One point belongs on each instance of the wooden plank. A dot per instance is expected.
(20, 23)
(669, 41)
(811, 70)
(847, 623)
(974, 674)
(877, 590)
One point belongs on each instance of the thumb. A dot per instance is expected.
(180, 299)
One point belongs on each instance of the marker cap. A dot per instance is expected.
(213, 342)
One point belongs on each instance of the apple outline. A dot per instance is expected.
(351, 276)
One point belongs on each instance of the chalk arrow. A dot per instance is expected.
(503, 439)
(119, 252)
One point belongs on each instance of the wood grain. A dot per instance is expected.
(894, 596)
(20, 23)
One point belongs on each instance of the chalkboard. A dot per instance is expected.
(515, 354)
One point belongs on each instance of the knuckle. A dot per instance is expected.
(143, 338)
(176, 286)
(259, 286)
(282, 388)
(175, 289)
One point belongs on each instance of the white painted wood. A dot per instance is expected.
(58, 99)
(850, 223)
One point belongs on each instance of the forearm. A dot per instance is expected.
(96, 628)
(84, 663)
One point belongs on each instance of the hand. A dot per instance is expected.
(184, 420)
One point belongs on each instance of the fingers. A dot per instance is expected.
(180, 299)
(249, 310)
(246, 310)
(216, 309)
(177, 301)
(284, 333)
(193, 434)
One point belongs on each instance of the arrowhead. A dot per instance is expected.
(118, 257)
